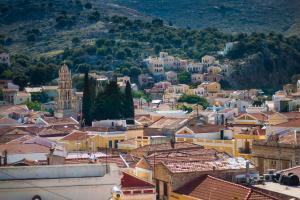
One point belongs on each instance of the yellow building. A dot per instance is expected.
(244, 140)
(80, 141)
(211, 87)
(108, 140)
(139, 141)
(92, 141)
(214, 70)
(208, 136)
(251, 119)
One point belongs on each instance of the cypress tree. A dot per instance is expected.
(128, 102)
(86, 100)
(113, 101)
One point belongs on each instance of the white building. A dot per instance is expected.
(21, 98)
(4, 58)
(59, 182)
(208, 60)
(171, 76)
(197, 78)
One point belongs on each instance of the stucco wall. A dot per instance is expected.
(91, 188)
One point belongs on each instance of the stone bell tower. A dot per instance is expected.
(64, 99)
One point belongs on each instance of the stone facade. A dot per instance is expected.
(272, 155)
(65, 92)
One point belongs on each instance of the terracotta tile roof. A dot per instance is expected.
(186, 156)
(113, 159)
(60, 121)
(210, 188)
(11, 133)
(205, 128)
(76, 135)
(8, 121)
(291, 123)
(23, 148)
(20, 139)
(169, 123)
(291, 115)
(259, 116)
(143, 164)
(8, 109)
(148, 149)
(204, 166)
(132, 181)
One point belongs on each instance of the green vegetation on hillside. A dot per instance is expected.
(194, 99)
(226, 15)
(88, 35)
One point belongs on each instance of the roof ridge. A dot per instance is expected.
(235, 184)
(260, 192)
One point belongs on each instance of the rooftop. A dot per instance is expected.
(148, 149)
(283, 189)
(76, 135)
(23, 148)
(131, 181)
(168, 122)
(60, 121)
(291, 123)
(210, 188)
(205, 128)
(204, 166)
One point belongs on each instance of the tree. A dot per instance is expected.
(40, 97)
(86, 100)
(1, 95)
(31, 38)
(88, 5)
(194, 99)
(109, 103)
(75, 41)
(128, 102)
(184, 77)
(157, 49)
(33, 105)
(20, 79)
(157, 22)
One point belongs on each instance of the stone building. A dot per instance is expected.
(279, 151)
(65, 93)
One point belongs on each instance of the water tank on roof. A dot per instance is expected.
(290, 180)
(293, 180)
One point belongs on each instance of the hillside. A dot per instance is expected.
(46, 27)
(226, 15)
(101, 36)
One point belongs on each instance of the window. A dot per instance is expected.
(116, 143)
(109, 144)
(273, 164)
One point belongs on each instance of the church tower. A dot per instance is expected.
(64, 99)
